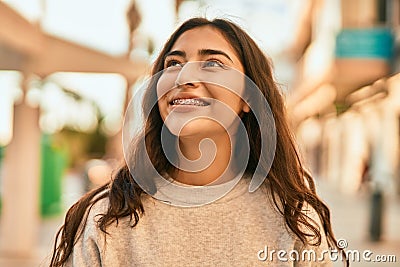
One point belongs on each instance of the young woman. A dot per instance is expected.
(208, 133)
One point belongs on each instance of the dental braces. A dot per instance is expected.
(190, 101)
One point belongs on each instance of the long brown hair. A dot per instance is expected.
(290, 186)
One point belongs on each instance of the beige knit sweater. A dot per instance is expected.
(240, 229)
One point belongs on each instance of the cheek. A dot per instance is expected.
(228, 82)
(162, 107)
(231, 99)
(166, 83)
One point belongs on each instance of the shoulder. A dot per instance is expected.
(89, 225)
(99, 207)
(89, 240)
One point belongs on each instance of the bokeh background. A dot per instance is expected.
(68, 69)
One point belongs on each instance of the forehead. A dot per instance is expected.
(203, 37)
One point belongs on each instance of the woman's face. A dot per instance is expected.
(200, 91)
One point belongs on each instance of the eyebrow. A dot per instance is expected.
(202, 52)
(175, 53)
(206, 52)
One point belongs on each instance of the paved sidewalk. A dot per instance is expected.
(72, 190)
(350, 219)
(42, 253)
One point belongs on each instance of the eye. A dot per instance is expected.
(172, 63)
(213, 63)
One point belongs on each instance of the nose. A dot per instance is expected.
(188, 75)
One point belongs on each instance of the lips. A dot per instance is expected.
(189, 102)
(188, 99)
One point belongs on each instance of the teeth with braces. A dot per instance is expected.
(190, 101)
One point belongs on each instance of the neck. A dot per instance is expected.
(204, 161)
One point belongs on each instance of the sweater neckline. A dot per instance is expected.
(179, 194)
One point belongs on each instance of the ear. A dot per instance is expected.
(246, 108)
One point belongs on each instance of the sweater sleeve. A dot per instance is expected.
(87, 249)
(85, 253)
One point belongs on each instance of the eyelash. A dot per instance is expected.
(219, 62)
(171, 62)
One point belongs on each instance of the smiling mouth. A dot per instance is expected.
(189, 102)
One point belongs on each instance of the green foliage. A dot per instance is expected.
(81, 146)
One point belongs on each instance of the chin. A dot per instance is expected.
(200, 128)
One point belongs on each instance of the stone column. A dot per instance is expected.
(20, 212)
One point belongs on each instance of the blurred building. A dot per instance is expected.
(34, 101)
(336, 62)
(348, 122)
